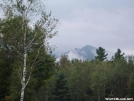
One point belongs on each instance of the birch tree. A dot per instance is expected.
(23, 36)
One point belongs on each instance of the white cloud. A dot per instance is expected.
(98, 27)
(105, 23)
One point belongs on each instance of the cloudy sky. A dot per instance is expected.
(105, 23)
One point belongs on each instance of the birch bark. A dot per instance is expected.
(23, 82)
(23, 79)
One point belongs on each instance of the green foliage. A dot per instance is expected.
(42, 71)
(64, 62)
(76, 81)
(101, 55)
(79, 81)
(5, 72)
(87, 80)
(61, 91)
(119, 78)
(131, 85)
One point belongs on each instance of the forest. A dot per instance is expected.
(29, 71)
(67, 80)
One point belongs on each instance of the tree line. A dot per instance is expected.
(93, 80)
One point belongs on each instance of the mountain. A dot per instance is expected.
(86, 52)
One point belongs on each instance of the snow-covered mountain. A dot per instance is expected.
(86, 52)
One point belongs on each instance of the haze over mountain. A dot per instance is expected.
(86, 52)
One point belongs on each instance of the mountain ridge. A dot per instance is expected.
(87, 52)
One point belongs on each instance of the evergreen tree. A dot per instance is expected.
(64, 61)
(101, 55)
(118, 55)
(61, 91)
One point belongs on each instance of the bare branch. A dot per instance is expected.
(32, 40)
(28, 78)
(37, 55)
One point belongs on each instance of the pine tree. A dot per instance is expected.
(101, 55)
(61, 91)
(118, 55)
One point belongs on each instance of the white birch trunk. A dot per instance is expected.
(23, 79)
(22, 94)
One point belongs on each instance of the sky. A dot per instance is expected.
(99, 23)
